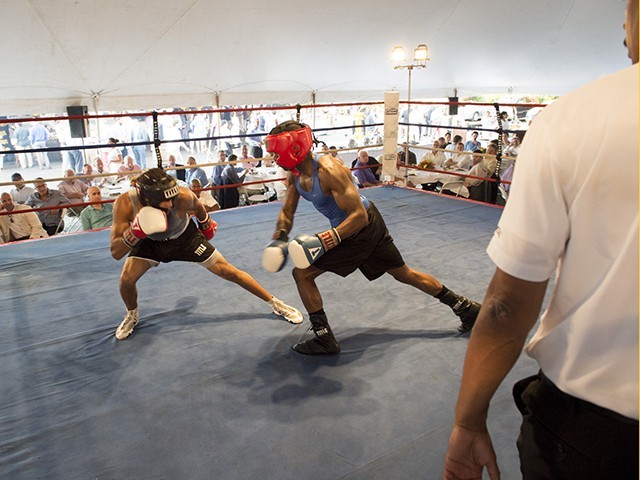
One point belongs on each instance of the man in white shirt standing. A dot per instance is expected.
(580, 412)
(21, 226)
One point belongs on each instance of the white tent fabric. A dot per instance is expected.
(121, 54)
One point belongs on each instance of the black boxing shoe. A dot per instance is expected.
(467, 310)
(324, 343)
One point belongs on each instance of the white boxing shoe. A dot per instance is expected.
(291, 314)
(127, 325)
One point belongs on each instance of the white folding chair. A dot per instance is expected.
(454, 187)
(503, 193)
(71, 223)
(262, 194)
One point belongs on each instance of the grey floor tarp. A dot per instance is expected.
(207, 386)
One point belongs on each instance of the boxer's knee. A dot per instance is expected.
(128, 280)
(301, 275)
(298, 274)
(402, 274)
(132, 271)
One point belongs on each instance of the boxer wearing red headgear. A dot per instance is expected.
(357, 238)
(291, 146)
(152, 224)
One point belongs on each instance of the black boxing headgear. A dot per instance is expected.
(156, 186)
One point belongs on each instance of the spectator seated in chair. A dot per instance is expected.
(51, 220)
(364, 158)
(205, 197)
(229, 197)
(365, 176)
(74, 189)
(96, 215)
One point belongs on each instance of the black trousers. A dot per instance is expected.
(565, 438)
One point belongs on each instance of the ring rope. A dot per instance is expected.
(157, 143)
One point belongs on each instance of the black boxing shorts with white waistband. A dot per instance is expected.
(190, 246)
(371, 250)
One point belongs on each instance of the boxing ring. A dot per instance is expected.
(207, 387)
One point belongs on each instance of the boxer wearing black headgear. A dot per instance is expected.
(155, 186)
(151, 223)
(357, 238)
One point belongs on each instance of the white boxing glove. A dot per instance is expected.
(274, 256)
(149, 220)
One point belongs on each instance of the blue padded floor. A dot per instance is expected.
(207, 386)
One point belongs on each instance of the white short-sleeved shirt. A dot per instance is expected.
(573, 208)
(22, 195)
(207, 199)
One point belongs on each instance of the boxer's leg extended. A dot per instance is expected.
(228, 272)
(467, 310)
(132, 270)
(324, 341)
(421, 281)
(225, 270)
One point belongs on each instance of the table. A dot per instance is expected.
(113, 189)
(261, 174)
(453, 183)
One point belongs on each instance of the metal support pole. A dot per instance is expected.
(406, 146)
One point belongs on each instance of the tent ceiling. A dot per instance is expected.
(143, 54)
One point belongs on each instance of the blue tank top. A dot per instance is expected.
(325, 204)
(175, 225)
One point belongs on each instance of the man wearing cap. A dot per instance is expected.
(152, 225)
(21, 192)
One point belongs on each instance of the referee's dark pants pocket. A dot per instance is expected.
(563, 438)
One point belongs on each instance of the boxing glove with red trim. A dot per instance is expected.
(208, 227)
(149, 220)
(306, 249)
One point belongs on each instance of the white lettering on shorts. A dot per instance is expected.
(201, 249)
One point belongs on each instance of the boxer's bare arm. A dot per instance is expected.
(187, 201)
(122, 217)
(289, 206)
(335, 179)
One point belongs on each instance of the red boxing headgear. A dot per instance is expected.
(291, 147)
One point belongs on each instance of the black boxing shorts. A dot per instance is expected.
(191, 246)
(371, 251)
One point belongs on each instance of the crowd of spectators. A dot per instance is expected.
(243, 133)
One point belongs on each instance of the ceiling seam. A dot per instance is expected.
(58, 44)
(153, 43)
